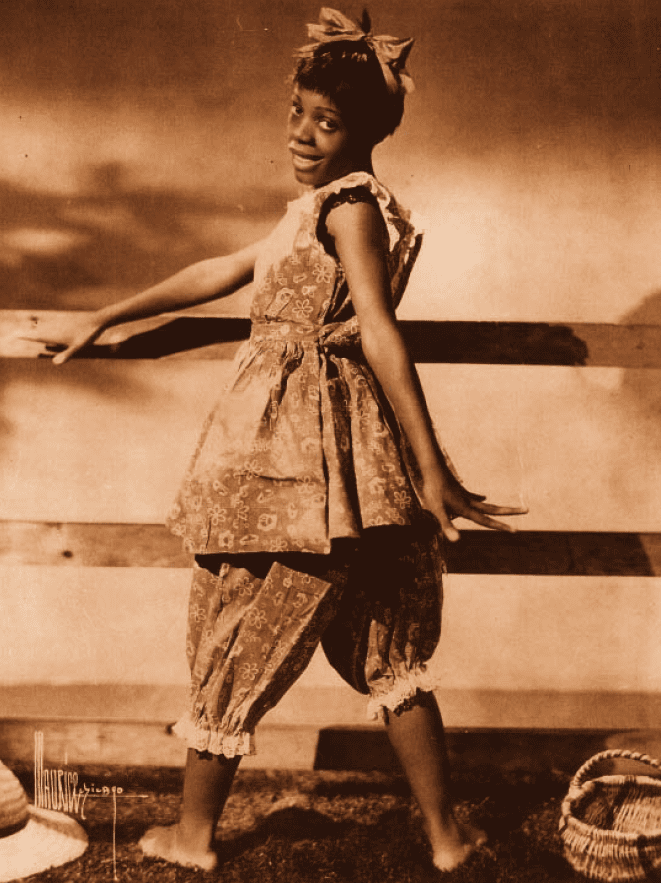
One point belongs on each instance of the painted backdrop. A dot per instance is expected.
(139, 136)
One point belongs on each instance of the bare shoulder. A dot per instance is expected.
(357, 222)
(360, 238)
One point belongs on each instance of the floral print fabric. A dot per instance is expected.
(301, 449)
(253, 626)
(255, 621)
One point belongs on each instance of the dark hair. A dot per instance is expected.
(350, 75)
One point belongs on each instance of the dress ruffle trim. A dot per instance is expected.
(403, 234)
(403, 690)
(383, 196)
(202, 739)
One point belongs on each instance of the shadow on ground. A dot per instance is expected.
(323, 826)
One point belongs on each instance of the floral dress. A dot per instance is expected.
(302, 448)
(298, 462)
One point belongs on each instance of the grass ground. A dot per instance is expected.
(330, 827)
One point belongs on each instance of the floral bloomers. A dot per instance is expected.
(300, 482)
(255, 621)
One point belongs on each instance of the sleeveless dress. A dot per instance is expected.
(299, 502)
(302, 448)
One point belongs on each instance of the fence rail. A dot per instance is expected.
(538, 553)
(589, 345)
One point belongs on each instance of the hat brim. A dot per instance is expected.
(48, 840)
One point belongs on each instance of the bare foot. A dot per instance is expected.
(168, 844)
(461, 842)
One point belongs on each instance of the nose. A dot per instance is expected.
(302, 130)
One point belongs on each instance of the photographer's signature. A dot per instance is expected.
(59, 790)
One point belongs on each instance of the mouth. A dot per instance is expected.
(303, 162)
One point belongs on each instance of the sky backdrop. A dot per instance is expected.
(138, 136)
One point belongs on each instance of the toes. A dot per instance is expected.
(150, 840)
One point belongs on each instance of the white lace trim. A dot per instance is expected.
(403, 689)
(202, 739)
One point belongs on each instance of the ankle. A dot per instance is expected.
(442, 829)
(166, 843)
(195, 833)
(459, 842)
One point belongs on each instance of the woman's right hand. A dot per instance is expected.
(66, 334)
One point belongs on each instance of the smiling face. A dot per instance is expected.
(321, 146)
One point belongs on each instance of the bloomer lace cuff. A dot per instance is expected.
(202, 739)
(402, 691)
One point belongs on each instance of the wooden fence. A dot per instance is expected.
(533, 552)
(498, 343)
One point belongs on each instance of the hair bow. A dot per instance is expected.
(390, 52)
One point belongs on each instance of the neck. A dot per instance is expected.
(360, 167)
(367, 167)
(364, 162)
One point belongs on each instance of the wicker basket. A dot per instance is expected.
(611, 825)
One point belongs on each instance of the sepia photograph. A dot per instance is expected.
(330, 441)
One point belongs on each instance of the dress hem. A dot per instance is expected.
(201, 548)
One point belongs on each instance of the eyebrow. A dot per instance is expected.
(324, 107)
(329, 110)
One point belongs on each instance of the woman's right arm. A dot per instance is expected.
(200, 282)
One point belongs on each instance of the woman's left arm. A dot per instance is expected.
(361, 242)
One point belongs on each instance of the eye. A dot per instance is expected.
(296, 109)
(328, 125)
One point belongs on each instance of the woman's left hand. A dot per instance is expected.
(447, 499)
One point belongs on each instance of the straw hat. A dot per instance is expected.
(33, 839)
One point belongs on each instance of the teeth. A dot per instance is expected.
(304, 161)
